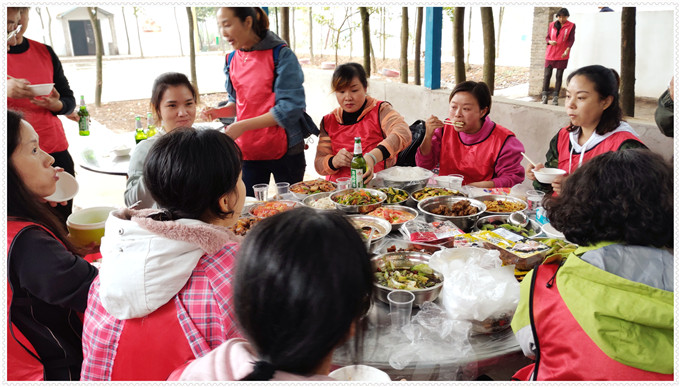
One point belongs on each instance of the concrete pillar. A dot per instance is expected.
(542, 17)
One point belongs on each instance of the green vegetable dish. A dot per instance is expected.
(404, 275)
(394, 195)
(523, 231)
(359, 198)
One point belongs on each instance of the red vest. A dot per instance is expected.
(563, 350)
(252, 75)
(555, 52)
(476, 162)
(342, 136)
(35, 65)
(611, 143)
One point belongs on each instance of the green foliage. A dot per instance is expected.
(204, 13)
(451, 12)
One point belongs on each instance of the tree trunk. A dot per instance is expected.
(285, 25)
(489, 47)
(99, 52)
(628, 61)
(292, 27)
(49, 25)
(467, 55)
(366, 38)
(127, 36)
(458, 43)
(179, 34)
(384, 36)
(403, 58)
(375, 65)
(498, 33)
(42, 25)
(139, 37)
(192, 52)
(419, 35)
(351, 46)
(311, 36)
(276, 18)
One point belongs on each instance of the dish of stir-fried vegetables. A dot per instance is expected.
(358, 198)
(394, 195)
(404, 275)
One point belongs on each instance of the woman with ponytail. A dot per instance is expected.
(165, 294)
(303, 284)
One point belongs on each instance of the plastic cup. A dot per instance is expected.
(87, 226)
(401, 303)
(282, 189)
(455, 181)
(261, 191)
(534, 200)
(343, 183)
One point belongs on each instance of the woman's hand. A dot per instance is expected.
(431, 124)
(18, 88)
(529, 173)
(557, 184)
(342, 159)
(208, 114)
(368, 175)
(235, 130)
(50, 102)
(552, 42)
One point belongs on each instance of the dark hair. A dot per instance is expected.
(260, 18)
(345, 73)
(303, 277)
(624, 196)
(188, 170)
(479, 90)
(21, 202)
(161, 84)
(606, 83)
(562, 12)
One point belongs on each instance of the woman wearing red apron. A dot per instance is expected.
(383, 131)
(264, 83)
(47, 282)
(560, 38)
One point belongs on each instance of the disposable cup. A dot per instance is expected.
(455, 181)
(401, 304)
(534, 200)
(87, 225)
(343, 183)
(282, 189)
(261, 192)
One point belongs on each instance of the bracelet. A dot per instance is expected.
(375, 159)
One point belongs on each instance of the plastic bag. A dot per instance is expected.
(476, 286)
(435, 232)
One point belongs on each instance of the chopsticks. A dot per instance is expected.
(528, 159)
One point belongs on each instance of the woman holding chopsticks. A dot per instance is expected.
(469, 143)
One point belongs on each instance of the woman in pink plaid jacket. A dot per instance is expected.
(163, 295)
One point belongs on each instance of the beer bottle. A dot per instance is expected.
(84, 120)
(139, 130)
(150, 127)
(357, 166)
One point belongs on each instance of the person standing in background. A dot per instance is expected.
(30, 62)
(560, 38)
(13, 17)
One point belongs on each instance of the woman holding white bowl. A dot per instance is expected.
(596, 125)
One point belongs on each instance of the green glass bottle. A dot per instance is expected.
(150, 127)
(139, 130)
(357, 166)
(84, 118)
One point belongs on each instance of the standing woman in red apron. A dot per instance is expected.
(264, 83)
(47, 282)
(560, 38)
(383, 131)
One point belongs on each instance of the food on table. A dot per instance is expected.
(503, 206)
(526, 232)
(394, 195)
(493, 324)
(416, 248)
(364, 227)
(312, 187)
(405, 174)
(243, 225)
(392, 215)
(270, 208)
(528, 246)
(358, 198)
(324, 203)
(459, 208)
(404, 275)
(429, 192)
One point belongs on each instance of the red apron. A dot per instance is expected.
(35, 65)
(476, 162)
(563, 350)
(252, 75)
(555, 52)
(342, 136)
(611, 143)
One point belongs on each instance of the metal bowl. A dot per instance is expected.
(465, 223)
(310, 199)
(381, 225)
(390, 178)
(506, 198)
(302, 196)
(395, 226)
(358, 209)
(533, 225)
(413, 258)
(453, 192)
(401, 202)
(288, 203)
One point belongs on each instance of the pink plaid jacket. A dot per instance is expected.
(204, 309)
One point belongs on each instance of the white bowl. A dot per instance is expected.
(551, 232)
(360, 373)
(67, 188)
(121, 150)
(548, 175)
(41, 89)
